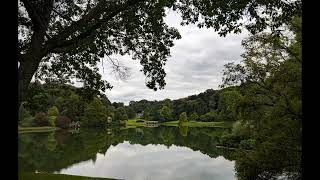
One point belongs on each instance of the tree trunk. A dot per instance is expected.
(26, 71)
(39, 13)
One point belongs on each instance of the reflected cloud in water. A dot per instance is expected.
(138, 162)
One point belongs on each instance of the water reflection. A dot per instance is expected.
(183, 130)
(142, 153)
(136, 162)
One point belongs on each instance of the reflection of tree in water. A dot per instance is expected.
(167, 136)
(51, 142)
(183, 130)
(268, 162)
(54, 151)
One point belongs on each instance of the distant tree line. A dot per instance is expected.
(58, 104)
(211, 105)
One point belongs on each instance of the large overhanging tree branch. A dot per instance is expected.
(67, 38)
(89, 23)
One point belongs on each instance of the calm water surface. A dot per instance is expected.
(137, 154)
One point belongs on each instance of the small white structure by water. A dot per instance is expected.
(151, 123)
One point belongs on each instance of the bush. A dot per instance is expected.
(52, 121)
(193, 116)
(53, 111)
(183, 118)
(63, 122)
(210, 116)
(41, 119)
(27, 122)
(139, 121)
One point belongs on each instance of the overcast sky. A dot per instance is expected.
(196, 64)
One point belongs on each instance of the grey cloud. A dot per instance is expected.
(196, 64)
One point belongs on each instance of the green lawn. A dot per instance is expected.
(36, 129)
(170, 123)
(221, 124)
(47, 176)
(133, 122)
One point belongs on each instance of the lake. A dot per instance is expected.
(136, 153)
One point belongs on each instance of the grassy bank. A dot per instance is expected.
(170, 123)
(133, 122)
(221, 124)
(36, 129)
(47, 176)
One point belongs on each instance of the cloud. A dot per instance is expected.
(196, 64)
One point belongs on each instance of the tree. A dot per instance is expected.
(228, 103)
(74, 107)
(95, 114)
(183, 118)
(118, 104)
(38, 103)
(130, 112)
(60, 103)
(209, 116)
(66, 39)
(41, 119)
(105, 100)
(139, 106)
(270, 74)
(166, 113)
(120, 114)
(63, 122)
(270, 83)
(193, 116)
(53, 111)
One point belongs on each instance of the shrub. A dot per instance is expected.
(63, 122)
(53, 111)
(41, 119)
(27, 122)
(183, 118)
(210, 116)
(193, 116)
(52, 121)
